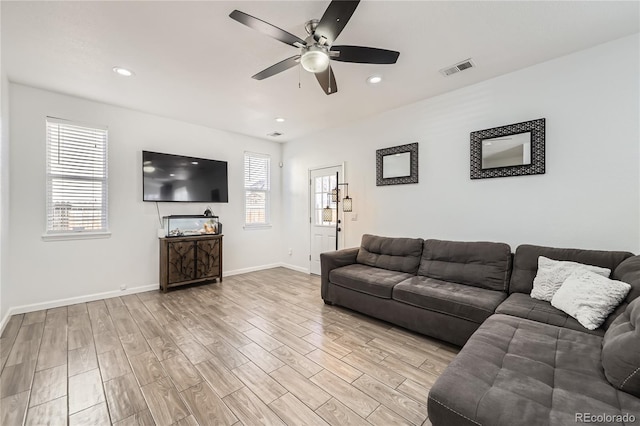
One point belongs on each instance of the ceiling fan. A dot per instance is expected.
(317, 50)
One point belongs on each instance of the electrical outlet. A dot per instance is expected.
(354, 217)
(123, 287)
(290, 252)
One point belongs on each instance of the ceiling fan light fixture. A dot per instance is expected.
(315, 59)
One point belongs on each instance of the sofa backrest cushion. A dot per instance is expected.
(621, 350)
(479, 264)
(394, 254)
(525, 262)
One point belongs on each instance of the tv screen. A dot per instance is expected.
(167, 177)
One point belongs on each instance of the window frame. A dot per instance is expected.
(73, 234)
(267, 192)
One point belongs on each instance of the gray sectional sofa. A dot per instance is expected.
(523, 362)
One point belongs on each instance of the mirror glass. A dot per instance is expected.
(396, 165)
(506, 151)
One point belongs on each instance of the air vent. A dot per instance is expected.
(274, 134)
(461, 66)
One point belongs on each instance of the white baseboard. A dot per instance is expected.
(5, 320)
(263, 267)
(72, 301)
(295, 268)
(109, 294)
(251, 269)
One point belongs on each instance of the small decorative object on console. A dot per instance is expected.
(190, 225)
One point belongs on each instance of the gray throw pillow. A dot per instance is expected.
(621, 350)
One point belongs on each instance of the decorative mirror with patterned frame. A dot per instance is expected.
(512, 150)
(397, 165)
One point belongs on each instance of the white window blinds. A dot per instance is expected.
(76, 177)
(257, 188)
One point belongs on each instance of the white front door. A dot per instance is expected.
(323, 232)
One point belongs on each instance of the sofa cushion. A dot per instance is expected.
(479, 264)
(525, 262)
(395, 254)
(458, 300)
(589, 297)
(366, 279)
(621, 350)
(524, 306)
(514, 371)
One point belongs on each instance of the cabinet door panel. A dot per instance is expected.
(181, 261)
(208, 262)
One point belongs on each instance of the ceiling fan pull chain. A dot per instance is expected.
(299, 85)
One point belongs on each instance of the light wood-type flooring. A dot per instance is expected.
(258, 348)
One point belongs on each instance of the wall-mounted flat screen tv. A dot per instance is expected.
(177, 178)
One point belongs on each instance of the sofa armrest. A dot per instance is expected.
(629, 272)
(332, 260)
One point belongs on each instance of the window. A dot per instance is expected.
(76, 178)
(324, 186)
(257, 189)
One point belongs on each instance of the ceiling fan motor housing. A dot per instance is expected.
(310, 26)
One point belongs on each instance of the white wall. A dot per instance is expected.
(48, 271)
(588, 198)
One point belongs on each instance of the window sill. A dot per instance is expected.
(76, 236)
(257, 227)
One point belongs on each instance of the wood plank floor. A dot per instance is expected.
(259, 348)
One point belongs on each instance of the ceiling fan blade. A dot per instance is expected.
(327, 81)
(278, 68)
(267, 29)
(334, 20)
(364, 55)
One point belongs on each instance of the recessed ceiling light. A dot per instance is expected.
(172, 174)
(194, 162)
(280, 120)
(374, 79)
(123, 71)
(149, 169)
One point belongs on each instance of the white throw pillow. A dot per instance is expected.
(552, 273)
(589, 297)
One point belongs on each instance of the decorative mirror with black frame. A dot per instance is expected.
(397, 165)
(513, 150)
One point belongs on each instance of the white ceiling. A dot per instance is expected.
(194, 63)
